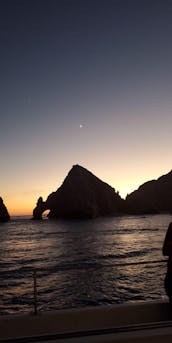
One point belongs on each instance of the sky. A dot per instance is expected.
(84, 82)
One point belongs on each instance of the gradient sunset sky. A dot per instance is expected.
(84, 82)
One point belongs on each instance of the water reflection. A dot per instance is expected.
(82, 263)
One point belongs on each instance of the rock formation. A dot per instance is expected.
(152, 197)
(82, 195)
(4, 215)
(39, 209)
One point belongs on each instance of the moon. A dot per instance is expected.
(81, 126)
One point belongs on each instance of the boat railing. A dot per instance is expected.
(35, 277)
(35, 291)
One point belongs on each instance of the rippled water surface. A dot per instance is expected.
(81, 263)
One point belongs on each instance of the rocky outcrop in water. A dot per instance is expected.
(39, 209)
(4, 215)
(82, 195)
(152, 197)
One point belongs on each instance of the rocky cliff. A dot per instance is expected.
(82, 195)
(152, 197)
(4, 215)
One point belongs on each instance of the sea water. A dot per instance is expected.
(81, 262)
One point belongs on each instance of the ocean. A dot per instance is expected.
(81, 263)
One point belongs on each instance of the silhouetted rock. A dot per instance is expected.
(39, 209)
(4, 215)
(82, 195)
(152, 197)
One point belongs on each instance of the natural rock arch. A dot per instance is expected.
(45, 214)
(82, 195)
(39, 209)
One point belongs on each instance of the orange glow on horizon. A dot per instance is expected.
(19, 209)
(19, 206)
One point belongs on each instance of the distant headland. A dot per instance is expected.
(83, 195)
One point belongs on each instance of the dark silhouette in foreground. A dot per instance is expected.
(4, 215)
(82, 195)
(167, 251)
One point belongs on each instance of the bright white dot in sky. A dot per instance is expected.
(81, 126)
